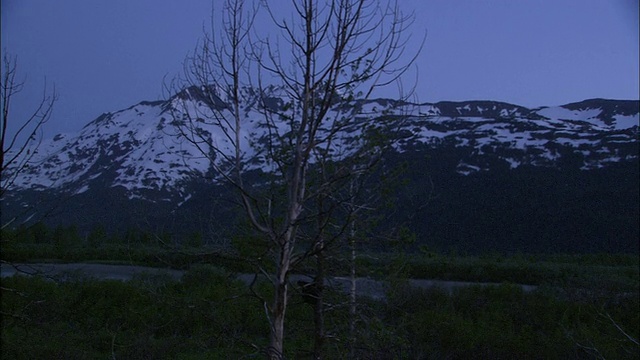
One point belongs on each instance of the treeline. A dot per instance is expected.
(70, 236)
(39, 242)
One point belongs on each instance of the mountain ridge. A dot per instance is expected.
(482, 175)
(140, 144)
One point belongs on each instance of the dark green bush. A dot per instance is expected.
(150, 317)
(504, 322)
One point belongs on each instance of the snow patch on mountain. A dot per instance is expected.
(625, 121)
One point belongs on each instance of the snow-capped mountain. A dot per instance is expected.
(481, 174)
(600, 131)
(140, 148)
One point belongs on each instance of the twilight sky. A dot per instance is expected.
(104, 56)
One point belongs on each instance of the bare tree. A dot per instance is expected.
(291, 107)
(19, 140)
(18, 148)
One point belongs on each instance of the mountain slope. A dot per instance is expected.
(140, 148)
(483, 174)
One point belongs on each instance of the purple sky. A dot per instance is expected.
(104, 56)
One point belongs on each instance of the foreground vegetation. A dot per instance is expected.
(586, 306)
(209, 315)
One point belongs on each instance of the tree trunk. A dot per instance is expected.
(318, 311)
(352, 291)
(276, 345)
(279, 307)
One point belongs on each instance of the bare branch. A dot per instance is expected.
(18, 149)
